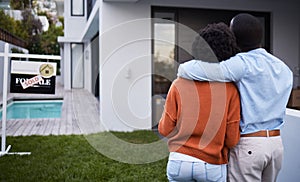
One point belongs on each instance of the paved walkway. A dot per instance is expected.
(80, 115)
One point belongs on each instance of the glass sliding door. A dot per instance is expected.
(173, 32)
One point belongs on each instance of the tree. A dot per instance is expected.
(30, 30)
(20, 4)
(49, 42)
(32, 24)
(12, 26)
(33, 27)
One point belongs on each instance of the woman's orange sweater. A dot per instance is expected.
(201, 119)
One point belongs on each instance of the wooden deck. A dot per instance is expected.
(80, 115)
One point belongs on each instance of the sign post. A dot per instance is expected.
(5, 151)
(4, 105)
(46, 71)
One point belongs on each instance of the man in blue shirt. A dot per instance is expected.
(264, 83)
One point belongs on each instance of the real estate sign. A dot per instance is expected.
(33, 77)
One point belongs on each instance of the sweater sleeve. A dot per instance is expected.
(168, 121)
(233, 120)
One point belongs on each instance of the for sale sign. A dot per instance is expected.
(33, 77)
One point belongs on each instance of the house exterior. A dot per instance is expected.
(122, 40)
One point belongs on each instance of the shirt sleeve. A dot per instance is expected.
(233, 121)
(167, 123)
(232, 69)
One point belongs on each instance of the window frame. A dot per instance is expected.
(72, 10)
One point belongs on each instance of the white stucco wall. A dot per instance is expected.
(291, 162)
(125, 53)
(125, 66)
(74, 25)
(67, 66)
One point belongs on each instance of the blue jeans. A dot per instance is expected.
(195, 171)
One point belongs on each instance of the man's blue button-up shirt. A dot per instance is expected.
(264, 83)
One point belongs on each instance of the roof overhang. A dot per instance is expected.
(90, 31)
(92, 25)
(61, 39)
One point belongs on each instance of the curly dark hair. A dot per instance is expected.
(219, 38)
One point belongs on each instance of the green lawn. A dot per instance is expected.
(72, 158)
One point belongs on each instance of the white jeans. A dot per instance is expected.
(255, 159)
(195, 171)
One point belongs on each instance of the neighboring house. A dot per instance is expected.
(45, 22)
(17, 15)
(59, 7)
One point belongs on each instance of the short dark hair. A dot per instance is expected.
(220, 39)
(247, 30)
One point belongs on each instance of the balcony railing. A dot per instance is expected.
(9, 38)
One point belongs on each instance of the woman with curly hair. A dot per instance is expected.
(201, 119)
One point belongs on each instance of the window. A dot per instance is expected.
(77, 8)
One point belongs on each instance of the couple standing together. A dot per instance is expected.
(227, 131)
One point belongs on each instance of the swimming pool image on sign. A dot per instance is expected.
(33, 109)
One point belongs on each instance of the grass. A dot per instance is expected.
(73, 158)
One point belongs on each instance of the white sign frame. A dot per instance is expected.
(7, 55)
